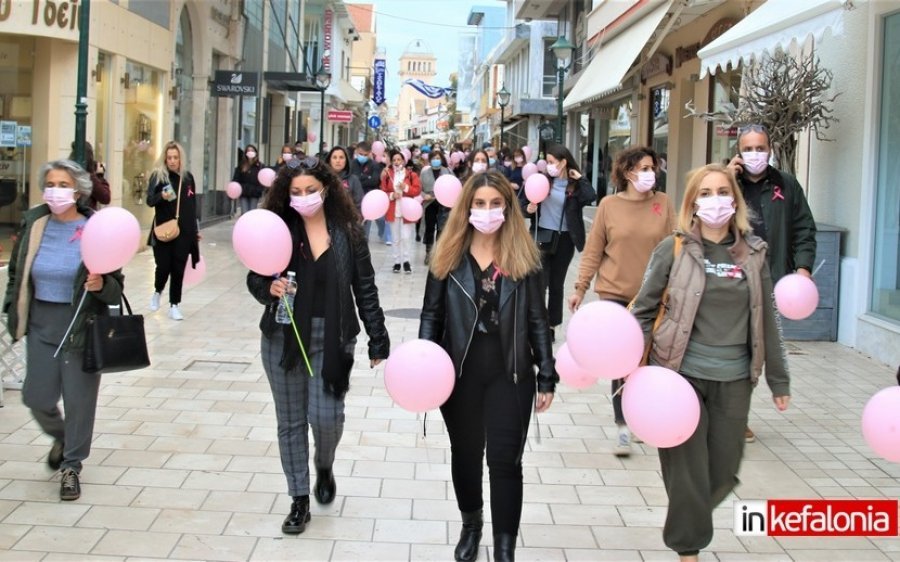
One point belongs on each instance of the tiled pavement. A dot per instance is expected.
(185, 464)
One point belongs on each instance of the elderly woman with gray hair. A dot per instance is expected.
(47, 279)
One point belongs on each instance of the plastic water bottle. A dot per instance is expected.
(281, 316)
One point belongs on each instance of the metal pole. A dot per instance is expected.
(559, 103)
(502, 108)
(322, 126)
(81, 86)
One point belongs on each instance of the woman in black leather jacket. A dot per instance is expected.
(335, 280)
(484, 304)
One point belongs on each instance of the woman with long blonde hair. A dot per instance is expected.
(484, 305)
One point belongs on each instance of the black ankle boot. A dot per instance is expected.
(326, 487)
(504, 547)
(295, 522)
(469, 536)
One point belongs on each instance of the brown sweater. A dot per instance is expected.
(623, 236)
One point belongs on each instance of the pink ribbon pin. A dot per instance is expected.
(777, 194)
(77, 235)
(190, 192)
(657, 209)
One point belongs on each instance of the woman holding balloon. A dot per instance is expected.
(484, 305)
(336, 284)
(400, 182)
(627, 227)
(247, 174)
(719, 329)
(428, 177)
(173, 194)
(560, 224)
(47, 280)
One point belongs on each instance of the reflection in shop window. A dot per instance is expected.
(143, 118)
(724, 90)
(886, 271)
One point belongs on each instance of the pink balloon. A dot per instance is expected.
(570, 372)
(375, 204)
(266, 176)
(661, 406)
(411, 209)
(419, 375)
(406, 154)
(377, 148)
(605, 338)
(233, 189)
(310, 137)
(447, 189)
(194, 275)
(537, 187)
(881, 423)
(526, 150)
(796, 296)
(528, 170)
(111, 237)
(454, 159)
(262, 242)
(542, 165)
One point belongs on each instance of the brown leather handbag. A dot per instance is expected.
(168, 231)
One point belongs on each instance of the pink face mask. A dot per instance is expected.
(645, 181)
(715, 211)
(553, 170)
(755, 162)
(59, 199)
(486, 220)
(307, 205)
(519, 160)
(478, 167)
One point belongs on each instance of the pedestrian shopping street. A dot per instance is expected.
(185, 462)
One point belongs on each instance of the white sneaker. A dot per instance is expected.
(154, 302)
(175, 313)
(623, 442)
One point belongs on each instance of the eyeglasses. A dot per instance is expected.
(307, 163)
(752, 128)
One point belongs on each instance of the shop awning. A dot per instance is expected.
(611, 63)
(290, 82)
(777, 23)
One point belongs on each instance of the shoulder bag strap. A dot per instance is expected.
(178, 204)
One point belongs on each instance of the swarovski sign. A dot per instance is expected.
(235, 83)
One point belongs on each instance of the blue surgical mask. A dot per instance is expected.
(492, 161)
(435, 163)
(362, 159)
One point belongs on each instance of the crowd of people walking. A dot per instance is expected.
(497, 268)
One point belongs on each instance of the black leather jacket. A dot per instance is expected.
(355, 280)
(449, 316)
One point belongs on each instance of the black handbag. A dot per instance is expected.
(115, 343)
(548, 240)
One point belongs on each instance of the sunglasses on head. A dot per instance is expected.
(306, 163)
(752, 128)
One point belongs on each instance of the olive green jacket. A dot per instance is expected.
(20, 291)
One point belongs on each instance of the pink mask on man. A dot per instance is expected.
(715, 211)
(755, 162)
(59, 199)
(486, 221)
(307, 205)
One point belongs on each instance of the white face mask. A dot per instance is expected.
(715, 211)
(486, 220)
(251, 155)
(307, 205)
(755, 162)
(478, 167)
(553, 170)
(645, 181)
(286, 156)
(59, 199)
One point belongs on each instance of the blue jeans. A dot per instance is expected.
(383, 233)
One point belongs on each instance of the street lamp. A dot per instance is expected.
(563, 50)
(323, 80)
(502, 100)
(475, 130)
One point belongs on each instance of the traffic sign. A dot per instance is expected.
(374, 121)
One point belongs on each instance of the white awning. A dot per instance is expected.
(607, 69)
(777, 23)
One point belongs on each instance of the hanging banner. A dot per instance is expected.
(328, 29)
(427, 90)
(378, 89)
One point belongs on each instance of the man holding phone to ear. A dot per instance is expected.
(781, 215)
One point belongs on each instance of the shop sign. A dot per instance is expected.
(23, 135)
(684, 54)
(730, 132)
(54, 18)
(328, 29)
(8, 134)
(658, 64)
(229, 83)
(378, 90)
(340, 116)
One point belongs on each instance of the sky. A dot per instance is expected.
(437, 22)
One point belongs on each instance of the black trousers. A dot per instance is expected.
(431, 220)
(171, 259)
(616, 385)
(555, 268)
(486, 407)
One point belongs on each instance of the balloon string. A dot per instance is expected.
(290, 312)
(537, 219)
(72, 323)
(621, 386)
(816, 270)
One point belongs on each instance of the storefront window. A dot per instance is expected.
(659, 124)
(723, 140)
(886, 271)
(101, 131)
(184, 81)
(16, 63)
(618, 135)
(143, 128)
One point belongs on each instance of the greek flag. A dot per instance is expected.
(427, 90)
